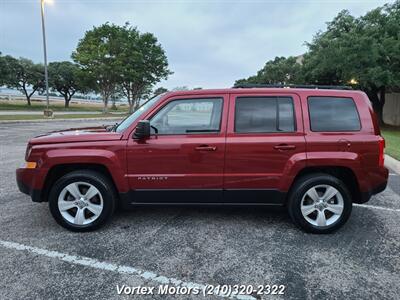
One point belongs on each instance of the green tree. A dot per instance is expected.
(362, 51)
(159, 91)
(98, 53)
(145, 63)
(67, 78)
(23, 75)
(117, 94)
(325, 54)
(180, 88)
(365, 50)
(281, 70)
(120, 56)
(3, 70)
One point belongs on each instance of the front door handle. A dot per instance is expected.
(285, 147)
(205, 148)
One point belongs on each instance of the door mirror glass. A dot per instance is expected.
(142, 130)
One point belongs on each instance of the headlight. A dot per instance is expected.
(28, 165)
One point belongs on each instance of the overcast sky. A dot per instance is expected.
(209, 44)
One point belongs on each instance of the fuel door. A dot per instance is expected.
(344, 145)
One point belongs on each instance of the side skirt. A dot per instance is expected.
(202, 197)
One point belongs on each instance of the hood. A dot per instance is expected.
(86, 134)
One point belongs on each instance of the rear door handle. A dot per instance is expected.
(205, 148)
(284, 147)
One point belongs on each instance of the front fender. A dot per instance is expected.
(106, 158)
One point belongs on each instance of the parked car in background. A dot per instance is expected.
(316, 151)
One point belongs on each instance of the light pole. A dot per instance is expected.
(47, 112)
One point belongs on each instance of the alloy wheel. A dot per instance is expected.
(80, 203)
(322, 205)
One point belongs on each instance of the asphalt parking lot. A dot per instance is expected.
(150, 246)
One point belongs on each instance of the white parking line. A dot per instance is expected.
(121, 269)
(376, 207)
(393, 174)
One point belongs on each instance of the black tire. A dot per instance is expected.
(300, 188)
(93, 178)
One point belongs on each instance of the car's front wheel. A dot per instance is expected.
(319, 203)
(82, 200)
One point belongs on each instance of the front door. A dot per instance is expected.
(183, 160)
(265, 139)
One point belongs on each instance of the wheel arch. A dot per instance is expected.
(345, 174)
(57, 171)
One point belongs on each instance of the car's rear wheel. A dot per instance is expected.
(319, 203)
(82, 200)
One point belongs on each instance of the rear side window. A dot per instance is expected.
(333, 114)
(264, 114)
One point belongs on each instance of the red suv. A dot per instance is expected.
(315, 151)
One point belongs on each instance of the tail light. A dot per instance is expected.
(381, 151)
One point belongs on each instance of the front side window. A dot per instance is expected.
(333, 114)
(189, 116)
(264, 114)
(135, 115)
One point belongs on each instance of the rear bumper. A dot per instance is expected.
(375, 181)
(25, 179)
(365, 196)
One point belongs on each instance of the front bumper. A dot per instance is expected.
(26, 179)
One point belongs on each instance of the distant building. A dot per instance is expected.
(300, 59)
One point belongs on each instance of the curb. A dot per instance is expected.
(56, 120)
(392, 164)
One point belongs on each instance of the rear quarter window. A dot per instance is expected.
(333, 114)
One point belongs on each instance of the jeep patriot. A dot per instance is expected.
(315, 151)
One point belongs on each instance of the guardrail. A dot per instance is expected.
(39, 98)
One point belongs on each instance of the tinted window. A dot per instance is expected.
(189, 116)
(264, 114)
(333, 114)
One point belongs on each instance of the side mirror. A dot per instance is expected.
(142, 130)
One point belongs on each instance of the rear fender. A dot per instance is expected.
(349, 160)
(293, 166)
(320, 160)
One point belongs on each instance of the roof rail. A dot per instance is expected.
(294, 86)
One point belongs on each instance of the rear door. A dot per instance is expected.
(264, 136)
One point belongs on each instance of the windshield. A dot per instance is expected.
(135, 115)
